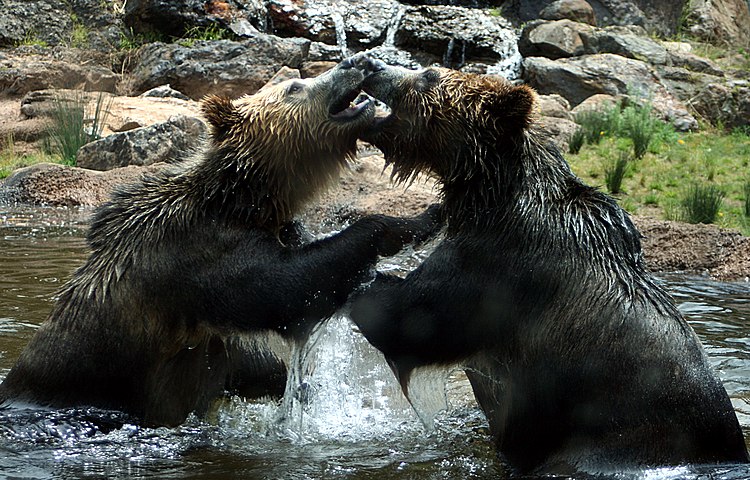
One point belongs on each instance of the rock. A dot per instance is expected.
(176, 17)
(164, 91)
(220, 66)
(58, 185)
(556, 39)
(459, 37)
(727, 103)
(555, 106)
(162, 142)
(718, 99)
(25, 69)
(660, 16)
(680, 55)
(310, 19)
(625, 41)
(313, 69)
(53, 22)
(559, 130)
(578, 78)
(722, 22)
(575, 10)
(597, 103)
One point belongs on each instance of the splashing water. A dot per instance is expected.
(339, 386)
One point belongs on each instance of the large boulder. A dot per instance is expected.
(176, 17)
(575, 10)
(723, 22)
(581, 77)
(631, 42)
(53, 22)
(161, 142)
(350, 25)
(59, 185)
(220, 66)
(555, 39)
(464, 38)
(661, 16)
(25, 69)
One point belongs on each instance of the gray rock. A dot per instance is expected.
(575, 10)
(628, 42)
(27, 69)
(162, 142)
(221, 66)
(53, 22)
(580, 77)
(559, 130)
(350, 25)
(554, 106)
(724, 103)
(556, 39)
(661, 16)
(724, 22)
(164, 91)
(175, 17)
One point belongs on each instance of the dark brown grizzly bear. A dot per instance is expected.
(579, 358)
(184, 260)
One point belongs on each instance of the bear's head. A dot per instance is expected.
(289, 141)
(438, 116)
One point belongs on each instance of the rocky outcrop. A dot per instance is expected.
(177, 17)
(26, 69)
(78, 23)
(58, 185)
(162, 142)
(723, 22)
(578, 78)
(231, 68)
(575, 10)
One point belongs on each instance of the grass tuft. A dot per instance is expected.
(615, 171)
(71, 127)
(701, 203)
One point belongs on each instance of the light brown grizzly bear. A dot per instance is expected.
(577, 355)
(187, 258)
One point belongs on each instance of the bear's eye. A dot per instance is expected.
(294, 88)
(428, 79)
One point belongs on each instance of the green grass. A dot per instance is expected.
(674, 161)
(74, 124)
(211, 32)
(701, 203)
(11, 159)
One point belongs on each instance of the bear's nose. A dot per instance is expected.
(349, 62)
(369, 65)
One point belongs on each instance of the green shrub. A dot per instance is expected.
(701, 203)
(615, 171)
(594, 124)
(68, 130)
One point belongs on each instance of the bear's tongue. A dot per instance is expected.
(355, 106)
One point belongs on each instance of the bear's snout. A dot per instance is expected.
(369, 65)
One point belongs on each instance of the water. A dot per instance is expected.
(349, 421)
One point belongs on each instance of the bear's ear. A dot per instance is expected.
(513, 106)
(220, 113)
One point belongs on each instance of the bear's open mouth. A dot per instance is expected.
(350, 105)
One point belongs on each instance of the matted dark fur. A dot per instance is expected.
(185, 260)
(576, 354)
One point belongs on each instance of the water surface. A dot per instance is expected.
(357, 426)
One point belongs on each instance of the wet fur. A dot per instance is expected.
(186, 260)
(578, 357)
